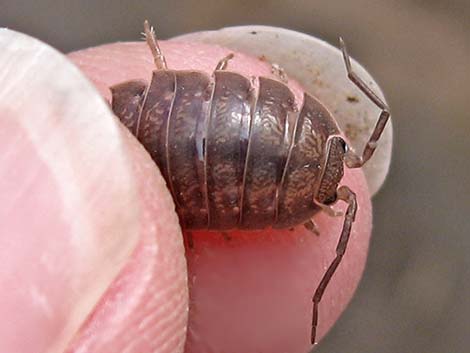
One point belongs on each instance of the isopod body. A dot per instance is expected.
(233, 159)
(238, 153)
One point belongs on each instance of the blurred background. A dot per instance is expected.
(415, 294)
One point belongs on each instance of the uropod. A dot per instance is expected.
(240, 155)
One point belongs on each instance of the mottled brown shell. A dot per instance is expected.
(234, 154)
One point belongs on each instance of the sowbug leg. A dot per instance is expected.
(353, 160)
(151, 38)
(345, 194)
(328, 209)
(311, 226)
(223, 63)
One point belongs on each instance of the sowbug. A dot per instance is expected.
(239, 156)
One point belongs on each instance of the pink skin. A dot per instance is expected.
(22, 250)
(40, 260)
(146, 306)
(250, 294)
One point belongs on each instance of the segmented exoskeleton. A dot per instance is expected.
(236, 156)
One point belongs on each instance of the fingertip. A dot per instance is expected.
(256, 289)
(69, 205)
(146, 307)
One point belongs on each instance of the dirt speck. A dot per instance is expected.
(352, 131)
(352, 99)
(359, 128)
